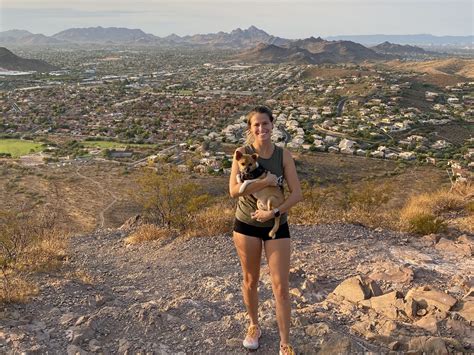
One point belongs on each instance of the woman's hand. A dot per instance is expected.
(271, 179)
(262, 216)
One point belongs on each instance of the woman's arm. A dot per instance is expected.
(234, 186)
(289, 172)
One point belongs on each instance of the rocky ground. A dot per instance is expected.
(183, 296)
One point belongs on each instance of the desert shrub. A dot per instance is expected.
(147, 232)
(423, 213)
(424, 223)
(217, 218)
(29, 242)
(347, 202)
(369, 196)
(169, 198)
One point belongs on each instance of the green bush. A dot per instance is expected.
(425, 224)
(169, 199)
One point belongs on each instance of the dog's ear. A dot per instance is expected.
(255, 156)
(238, 155)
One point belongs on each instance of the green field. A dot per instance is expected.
(113, 145)
(18, 147)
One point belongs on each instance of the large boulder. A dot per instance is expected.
(426, 296)
(393, 273)
(353, 289)
(388, 304)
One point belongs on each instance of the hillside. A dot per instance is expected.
(103, 35)
(452, 66)
(175, 295)
(181, 293)
(310, 51)
(21, 37)
(393, 48)
(10, 61)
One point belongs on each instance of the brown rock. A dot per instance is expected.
(388, 328)
(395, 345)
(397, 274)
(352, 289)
(295, 292)
(337, 344)
(461, 330)
(411, 308)
(431, 238)
(429, 345)
(435, 346)
(448, 246)
(364, 328)
(425, 296)
(387, 304)
(430, 323)
(465, 239)
(374, 288)
(421, 312)
(317, 329)
(467, 309)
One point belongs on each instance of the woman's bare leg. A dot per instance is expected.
(250, 254)
(278, 256)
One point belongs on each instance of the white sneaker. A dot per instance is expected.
(251, 339)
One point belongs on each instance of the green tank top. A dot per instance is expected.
(248, 204)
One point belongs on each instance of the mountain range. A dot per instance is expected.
(397, 49)
(238, 38)
(310, 51)
(417, 39)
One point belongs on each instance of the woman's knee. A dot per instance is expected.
(280, 290)
(250, 282)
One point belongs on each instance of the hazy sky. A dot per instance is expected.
(285, 18)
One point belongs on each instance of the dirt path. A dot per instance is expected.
(183, 296)
(115, 198)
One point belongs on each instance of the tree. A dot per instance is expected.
(168, 198)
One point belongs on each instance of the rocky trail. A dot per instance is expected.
(183, 296)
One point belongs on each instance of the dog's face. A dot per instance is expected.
(246, 162)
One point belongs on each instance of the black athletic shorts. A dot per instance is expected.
(261, 232)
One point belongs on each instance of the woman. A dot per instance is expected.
(252, 225)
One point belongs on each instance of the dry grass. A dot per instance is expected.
(148, 232)
(352, 203)
(30, 242)
(15, 288)
(47, 253)
(81, 276)
(424, 213)
(213, 220)
(450, 66)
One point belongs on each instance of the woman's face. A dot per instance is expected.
(261, 127)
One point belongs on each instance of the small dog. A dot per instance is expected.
(268, 198)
